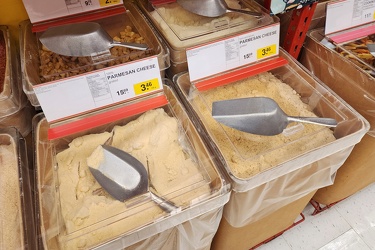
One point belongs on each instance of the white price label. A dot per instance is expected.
(344, 14)
(213, 58)
(42, 10)
(76, 95)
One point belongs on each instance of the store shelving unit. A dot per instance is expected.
(297, 28)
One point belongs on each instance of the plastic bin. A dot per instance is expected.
(181, 29)
(197, 186)
(277, 181)
(14, 106)
(22, 120)
(352, 81)
(17, 222)
(32, 52)
(12, 99)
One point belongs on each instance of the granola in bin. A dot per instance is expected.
(359, 49)
(358, 53)
(54, 66)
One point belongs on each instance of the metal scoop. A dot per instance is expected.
(212, 8)
(81, 39)
(259, 115)
(371, 48)
(124, 177)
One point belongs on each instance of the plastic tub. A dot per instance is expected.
(280, 173)
(356, 83)
(352, 44)
(118, 225)
(22, 119)
(181, 29)
(352, 80)
(32, 54)
(12, 99)
(18, 230)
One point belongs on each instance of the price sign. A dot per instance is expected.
(266, 51)
(344, 14)
(146, 86)
(46, 10)
(246, 48)
(104, 3)
(90, 91)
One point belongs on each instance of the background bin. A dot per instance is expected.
(356, 86)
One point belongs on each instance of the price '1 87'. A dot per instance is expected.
(367, 15)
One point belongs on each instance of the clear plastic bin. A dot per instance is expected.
(119, 225)
(31, 51)
(355, 48)
(22, 119)
(352, 80)
(277, 181)
(359, 87)
(17, 224)
(181, 29)
(12, 99)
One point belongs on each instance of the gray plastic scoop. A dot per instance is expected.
(259, 115)
(124, 177)
(212, 8)
(81, 39)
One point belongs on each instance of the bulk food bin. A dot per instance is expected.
(12, 100)
(269, 173)
(352, 80)
(18, 230)
(75, 212)
(181, 29)
(40, 65)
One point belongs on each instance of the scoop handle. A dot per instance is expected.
(138, 46)
(166, 205)
(248, 12)
(328, 122)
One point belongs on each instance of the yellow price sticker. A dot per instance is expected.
(146, 86)
(104, 3)
(266, 51)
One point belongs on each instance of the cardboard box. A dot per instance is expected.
(357, 88)
(357, 173)
(228, 237)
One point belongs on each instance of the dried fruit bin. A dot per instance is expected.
(40, 65)
(355, 75)
(165, 141)
(353, 81)
(276, 175)
(12, 99)
(356, 49)
(18, 230)
(181, 29)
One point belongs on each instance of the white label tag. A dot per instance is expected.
(42, 10)
(64, 98)
(213, 58)
(345, 14)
